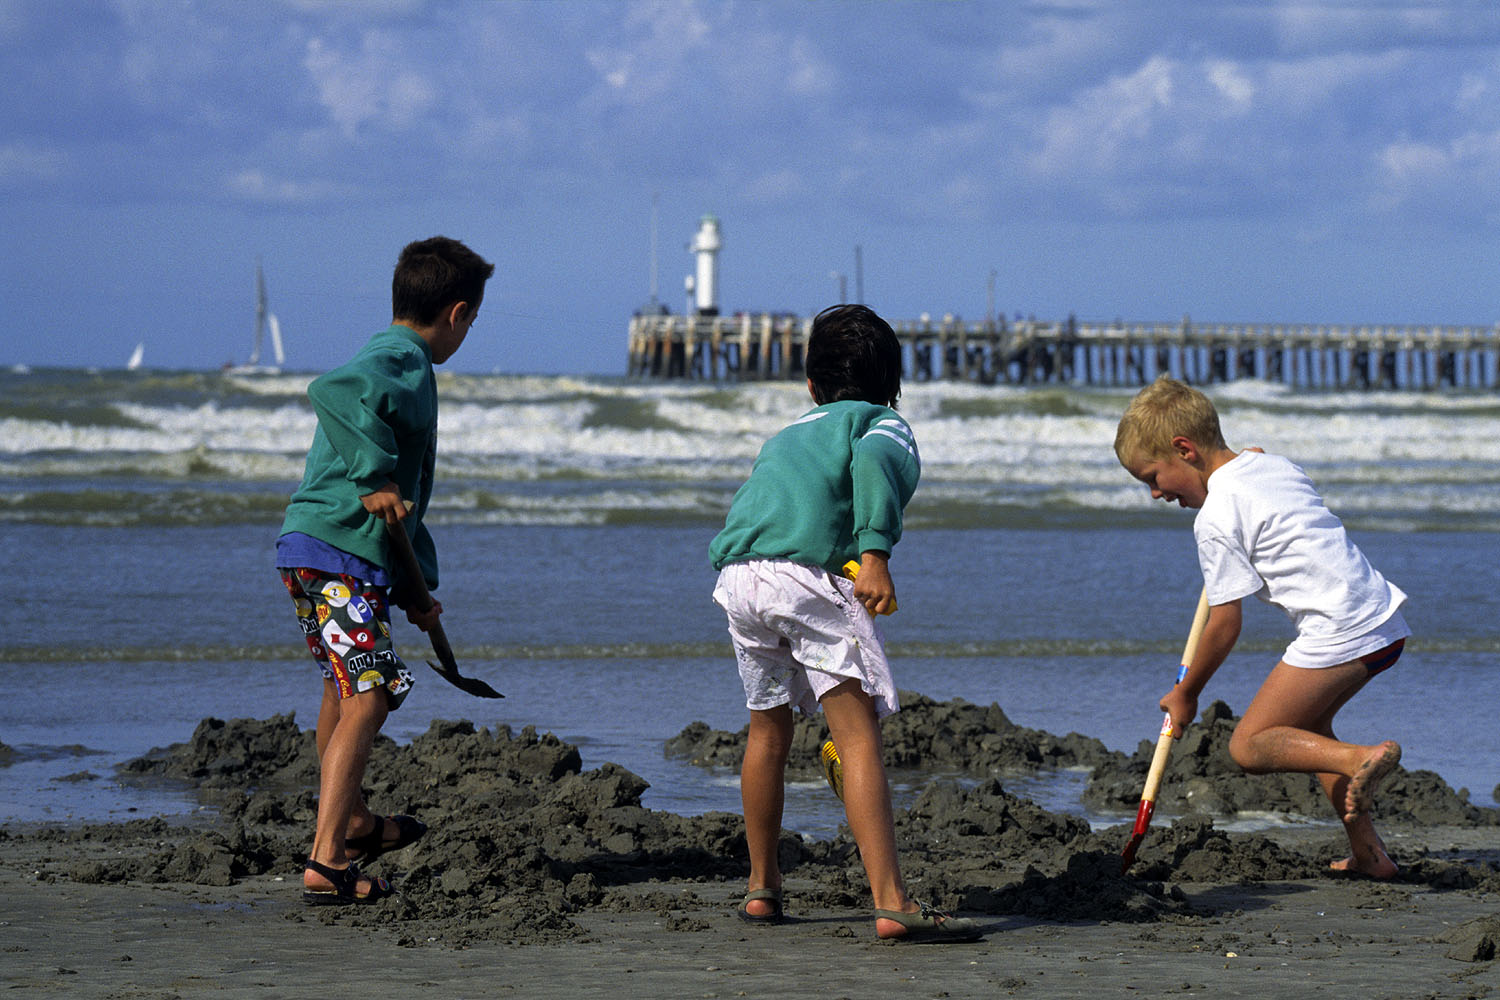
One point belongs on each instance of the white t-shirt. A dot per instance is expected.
(1264, 530)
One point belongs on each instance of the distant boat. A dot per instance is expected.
(135, 357)
(264, 320)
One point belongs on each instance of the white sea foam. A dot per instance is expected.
(518, 441)
(291, 384)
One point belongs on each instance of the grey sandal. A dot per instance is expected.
(931, 925)
(772, 896)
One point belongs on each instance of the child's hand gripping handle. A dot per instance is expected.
(851, 572)
(1163, 742)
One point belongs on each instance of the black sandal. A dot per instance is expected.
(369, 846)
(345, 886)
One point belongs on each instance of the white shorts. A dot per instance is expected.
(1320, 655)
(798, 632)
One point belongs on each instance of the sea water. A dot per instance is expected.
(138, 513)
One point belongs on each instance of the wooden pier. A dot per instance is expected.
(748, 347)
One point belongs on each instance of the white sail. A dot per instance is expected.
(135, 357)
(263, 318)
(275, 338)
(260, 314)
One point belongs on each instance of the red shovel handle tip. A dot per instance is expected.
(1143, 816)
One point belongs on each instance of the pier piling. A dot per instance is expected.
(765, 346)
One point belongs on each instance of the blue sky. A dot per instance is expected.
(1310, 162)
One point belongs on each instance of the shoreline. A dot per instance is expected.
(538, 877)
(1275, 939)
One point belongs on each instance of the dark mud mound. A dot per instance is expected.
(1476, 940)
(211, 857)
(152, 850)
(986, 819)
(1201, 777)
(521, 839)
(240, 755)
(985, 850)
(519, 836)
(1192, 850)
(949, 736)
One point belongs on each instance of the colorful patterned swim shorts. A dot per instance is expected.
(348, 628)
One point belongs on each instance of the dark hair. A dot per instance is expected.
(853, 354)
(434, 273)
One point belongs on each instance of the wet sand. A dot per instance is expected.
(538, 878)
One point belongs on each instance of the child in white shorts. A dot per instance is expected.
(826, 490)
(798, 633)
(1263, 530)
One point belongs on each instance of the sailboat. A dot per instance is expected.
(265, 320)
(135, 357)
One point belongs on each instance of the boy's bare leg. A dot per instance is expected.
(345, 752)
(361, 820)
(867, 798)
(763, 796)
(1289, 727)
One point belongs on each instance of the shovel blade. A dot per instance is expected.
(833, 768)
(468, 685)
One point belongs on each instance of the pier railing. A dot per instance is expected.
(770, 346)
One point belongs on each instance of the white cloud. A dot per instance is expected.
(1413, 162)
(258, 186)
(1048, 109)
(1094, 133)
(808, 74)
(1232, 83)
(774, 187)
(21, 163)
(1353, 25)
(659, 44)
(1048, 51)
(1459, 178)
(1335, 83)
(375, 84)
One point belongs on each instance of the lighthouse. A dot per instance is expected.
(705, 284)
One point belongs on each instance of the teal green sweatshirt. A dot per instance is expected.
(377, 423)
(825, 489)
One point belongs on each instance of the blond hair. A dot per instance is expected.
(1163, 410)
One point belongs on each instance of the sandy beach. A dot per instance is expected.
(1295, 938)
(539, 878)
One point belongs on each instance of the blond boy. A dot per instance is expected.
(1262, 529)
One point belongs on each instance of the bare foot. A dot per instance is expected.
(1366, 779)
(1378, 866)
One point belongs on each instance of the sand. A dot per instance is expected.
(539, 878)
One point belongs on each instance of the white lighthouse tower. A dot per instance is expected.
(705, 284)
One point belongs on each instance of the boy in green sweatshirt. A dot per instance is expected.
(371, 463)
(826, 490)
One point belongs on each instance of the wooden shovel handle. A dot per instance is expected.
(1164, 740)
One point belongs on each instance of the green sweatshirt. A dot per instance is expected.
(377, 423)
(825, 489)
